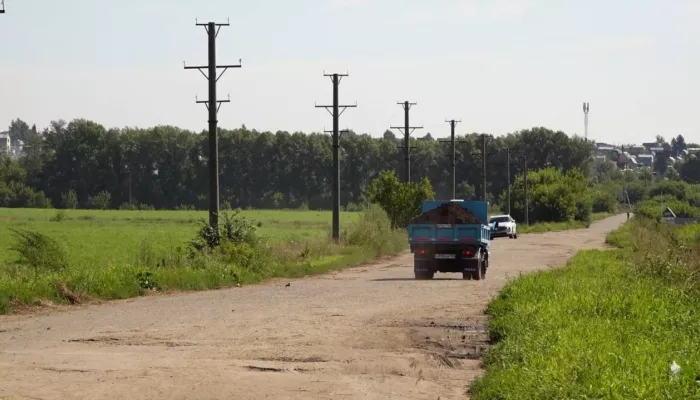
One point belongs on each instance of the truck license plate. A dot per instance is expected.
(445, 256)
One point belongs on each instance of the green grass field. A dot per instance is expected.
(102, 238)
(596, 329)
(115, 254)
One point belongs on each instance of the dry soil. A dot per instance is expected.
(371, 332)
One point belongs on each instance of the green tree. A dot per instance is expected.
(19, 130)
(400, 200)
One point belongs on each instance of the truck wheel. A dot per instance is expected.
(511, 236)
(479, 273)
(424, 275)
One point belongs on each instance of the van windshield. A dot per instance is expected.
(499, 219)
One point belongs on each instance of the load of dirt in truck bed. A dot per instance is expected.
(447, 213)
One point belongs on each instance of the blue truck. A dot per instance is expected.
(451, 247)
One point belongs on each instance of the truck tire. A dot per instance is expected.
(478, 274)
(423, 269)
(424, 275)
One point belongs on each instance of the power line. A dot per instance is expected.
(213, 105)
(336, 78)
(407, 130)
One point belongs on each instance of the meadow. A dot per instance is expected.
(106, 237)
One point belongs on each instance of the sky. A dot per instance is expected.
(497, 65)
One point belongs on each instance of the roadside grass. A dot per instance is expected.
(559, 226)
(603, 327)
(121, 254)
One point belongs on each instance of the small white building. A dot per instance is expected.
(5, 143)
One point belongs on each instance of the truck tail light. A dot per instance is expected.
(468, 253)
(421, 251)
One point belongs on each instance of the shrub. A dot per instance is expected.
(236, 229)
(584, 209)
(136, 206)
(60, 216)
(604, 202)
(374, 230)
(354, 207)
(69, 200)
(636, 192)
(39, 252)
(17, 194)
(100, 201)
(679, 190)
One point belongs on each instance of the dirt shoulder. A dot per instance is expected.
(370, 332)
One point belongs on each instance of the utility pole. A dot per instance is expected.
(336, 78)
(213, 106)
(453, 123)
(484, 156)
(508, 173)
(407, 130)
(483, 166)
(527, 199)
(2, 6)
(586, 108)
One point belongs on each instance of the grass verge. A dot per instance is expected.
(596, 329)
(30, 277)
(560, 226)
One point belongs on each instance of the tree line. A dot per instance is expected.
(83, 164)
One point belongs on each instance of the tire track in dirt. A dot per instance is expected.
(371, 332)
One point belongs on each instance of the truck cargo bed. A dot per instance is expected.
(448, 234)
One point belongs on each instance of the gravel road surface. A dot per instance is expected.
(371, 332)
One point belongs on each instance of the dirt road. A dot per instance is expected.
(367, 333)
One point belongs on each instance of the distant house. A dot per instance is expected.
(646, 160)
(636, 150)
(5, 143)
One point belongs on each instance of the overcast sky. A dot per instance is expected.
(498, 65)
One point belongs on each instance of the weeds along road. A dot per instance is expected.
(371, 332)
